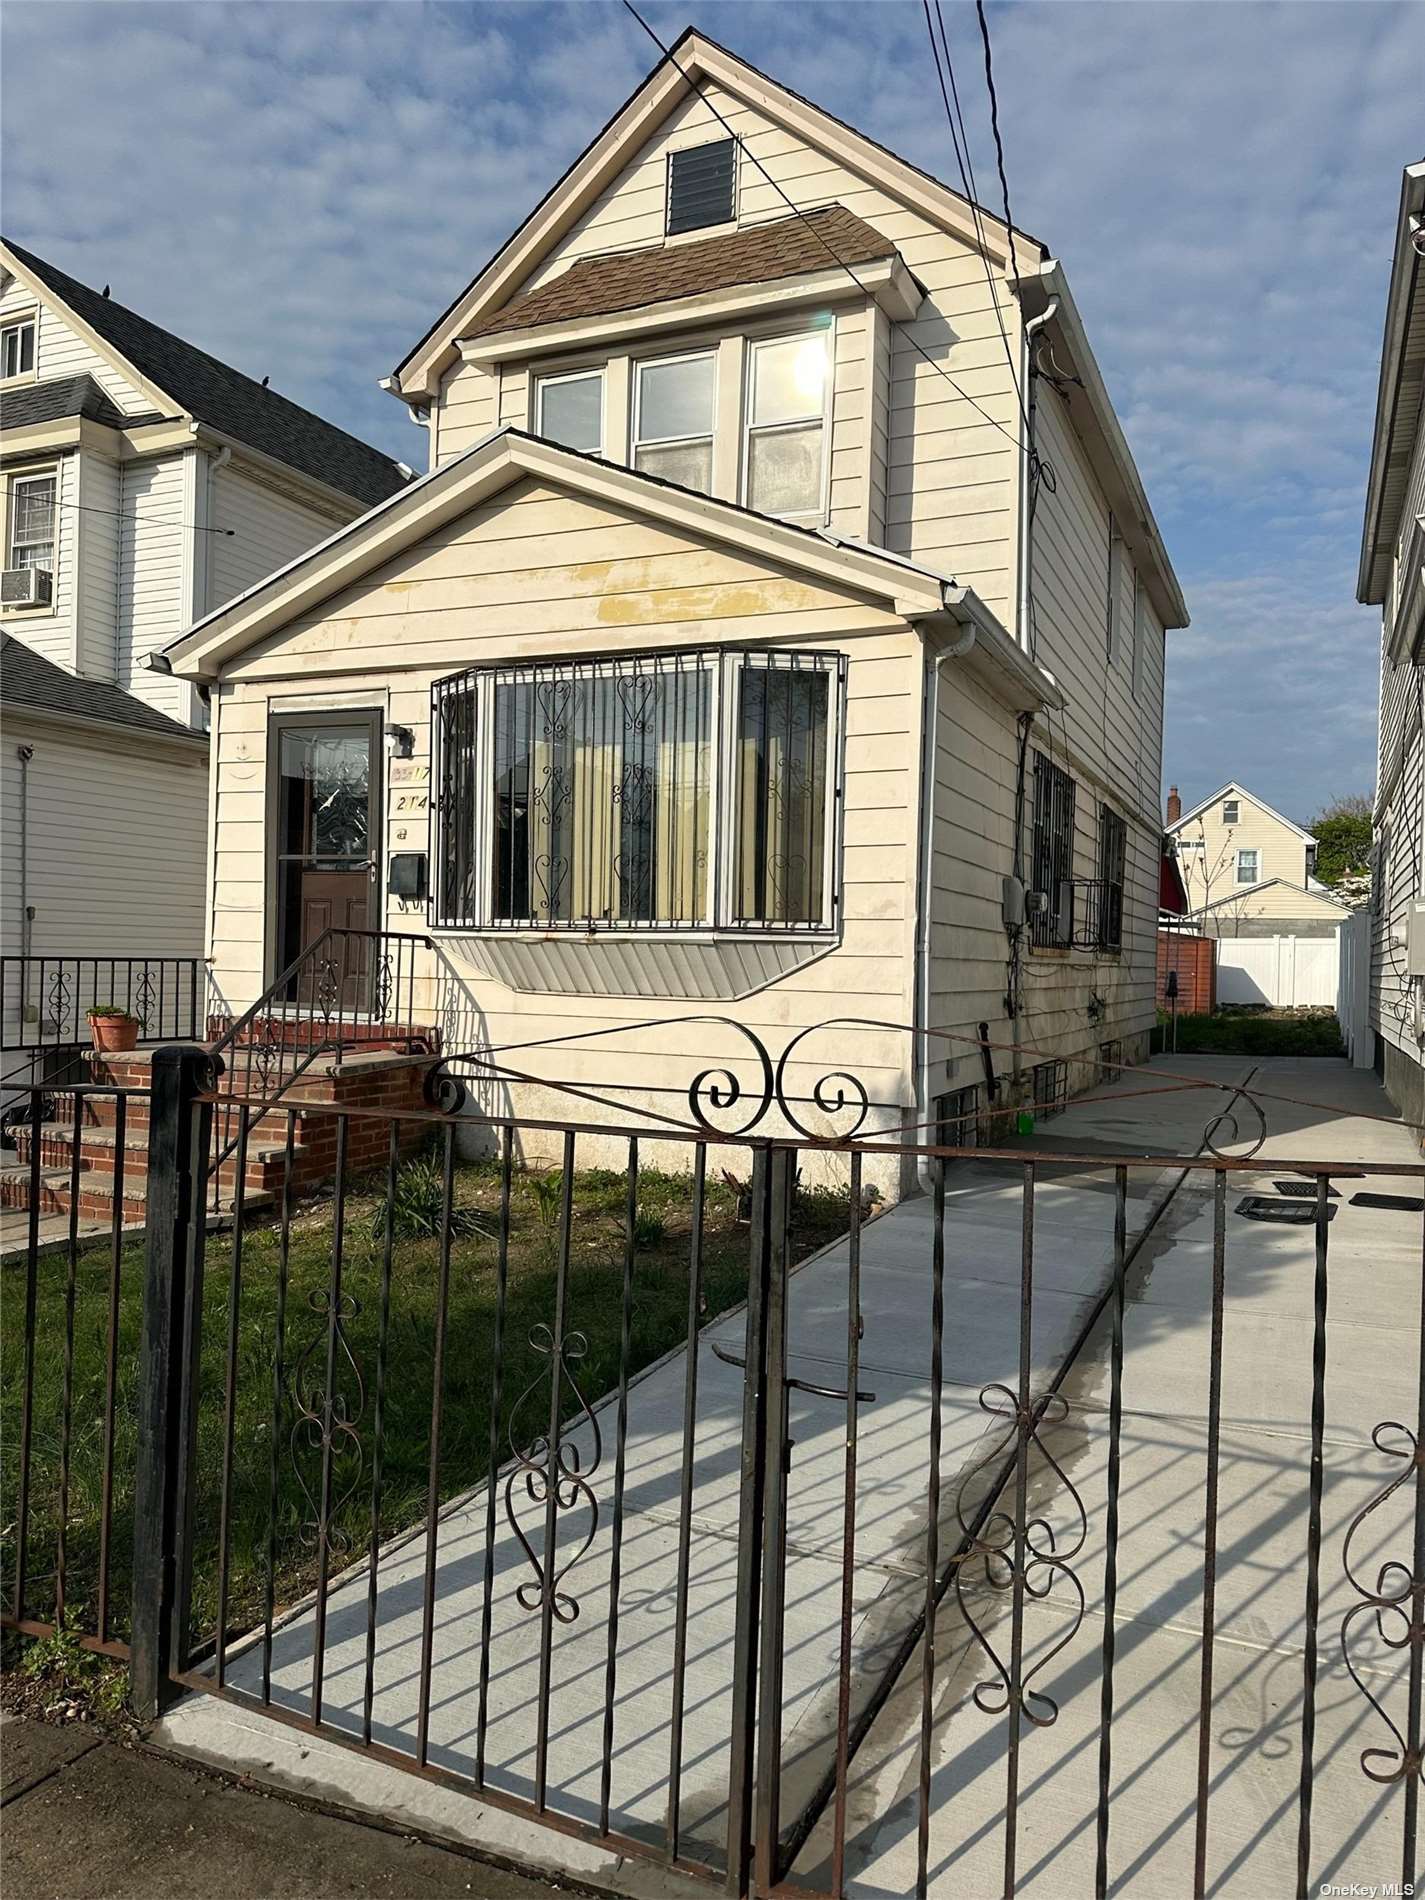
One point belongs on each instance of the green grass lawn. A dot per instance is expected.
(660, 1296)
(1252, 1033)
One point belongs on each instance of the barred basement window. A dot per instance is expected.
(1112, 872)
(659, 791)
(1052, 854)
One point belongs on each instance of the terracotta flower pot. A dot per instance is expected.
(114, 1034)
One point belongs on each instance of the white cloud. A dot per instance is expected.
(301, 188)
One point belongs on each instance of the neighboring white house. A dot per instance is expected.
(727, 669)
(1392, 577)
(142, 483)
(1248, 870)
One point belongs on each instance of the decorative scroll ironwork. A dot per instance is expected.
(326, 1426)
(560, 1477)
(1393, 1603)
(1037, 1566)
(60, 999)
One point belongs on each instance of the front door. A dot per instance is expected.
(325, 833)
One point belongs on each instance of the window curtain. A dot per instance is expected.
(781, 795)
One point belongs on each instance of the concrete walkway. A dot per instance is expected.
(1266, 1390)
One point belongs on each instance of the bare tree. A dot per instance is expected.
(1201, 876)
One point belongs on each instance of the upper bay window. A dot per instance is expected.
(570, 410)
(673, 404)
(786, 424)
(30, 531)
(17, 349)
(691, 790)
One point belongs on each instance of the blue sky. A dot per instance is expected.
(301, 188)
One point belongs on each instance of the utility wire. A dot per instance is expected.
(994, 120)
(960, 139)
(148, 521)
(796, 209)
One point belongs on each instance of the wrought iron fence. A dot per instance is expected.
(840, 1475)
(44, 1000)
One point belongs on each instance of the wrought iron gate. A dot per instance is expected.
(757, 1606)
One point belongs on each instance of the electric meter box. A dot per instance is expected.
(1415, 938)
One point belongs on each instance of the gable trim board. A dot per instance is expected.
(1313, 902)
(1038, 279)
(1241, 792)
(283, 435)
(637, 118)
(919, 596)
(1399, 395)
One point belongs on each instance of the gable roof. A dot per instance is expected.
(1400, 395)
(903, 587)
(1233, 789)
(29, 680)
(213, 392)
(627, 280)
(57, 400)
(1252, 890)
(694, 55)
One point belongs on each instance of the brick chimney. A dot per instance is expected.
(1175, 805)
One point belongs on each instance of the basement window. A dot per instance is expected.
(702, 186)
(685, 790)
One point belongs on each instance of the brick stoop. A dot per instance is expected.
(385, 1080)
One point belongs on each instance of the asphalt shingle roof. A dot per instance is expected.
(28, 679)
(627, 280)
(62, 397)
(224, 398)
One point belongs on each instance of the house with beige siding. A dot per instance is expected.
(1392, 578)
(773, 648)
(142, 483)
(1247, 870)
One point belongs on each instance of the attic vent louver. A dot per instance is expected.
(701, 186)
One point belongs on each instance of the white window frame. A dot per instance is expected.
(17, 478)
(548, 381)
(726, 668)
(1254, 853)
(1234, 805)
(635, 408)
(822, 511)
(21, 320)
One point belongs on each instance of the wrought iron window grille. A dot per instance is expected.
(1052, 855)
(678, 791)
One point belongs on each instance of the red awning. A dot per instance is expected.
(1172, 896)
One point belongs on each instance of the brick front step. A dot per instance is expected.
(376, 1078)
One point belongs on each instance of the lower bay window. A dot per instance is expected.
(674, 791)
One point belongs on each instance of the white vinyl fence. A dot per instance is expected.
(1287, 972)
(1354, 1004)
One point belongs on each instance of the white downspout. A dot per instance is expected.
(1024, 624)
(922, 1054)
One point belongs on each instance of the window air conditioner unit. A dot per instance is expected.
(1064, 914)
(26, 587)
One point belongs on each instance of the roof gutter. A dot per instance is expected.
(1120, 472)
(1405, 279)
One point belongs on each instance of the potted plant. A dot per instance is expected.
(112, 1028)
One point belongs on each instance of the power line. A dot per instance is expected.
(150, 521)
(960, 139)
(797, 211)
(994, 120)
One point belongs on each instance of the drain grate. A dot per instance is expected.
(1303, 1190)
(1287, 1213)
(1403, 1203)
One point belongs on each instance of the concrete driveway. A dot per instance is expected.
(1375, 1320)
